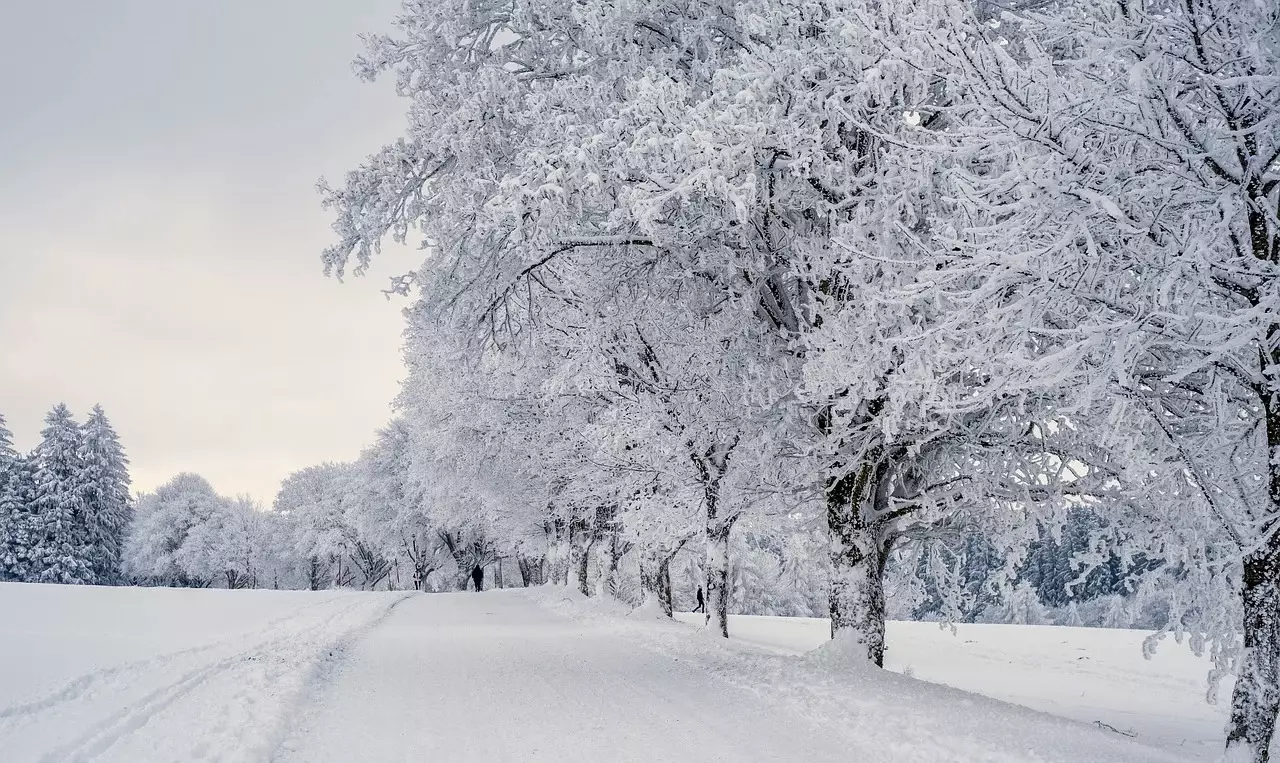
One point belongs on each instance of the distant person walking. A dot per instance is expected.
(702, 604)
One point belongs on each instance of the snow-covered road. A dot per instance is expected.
(495, 677)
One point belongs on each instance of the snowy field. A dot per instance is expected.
(118, 674)
(153, 674)
(1092, 675)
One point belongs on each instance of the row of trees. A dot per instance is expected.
(900, 273)
(326, 530)
(65, 507)
(338, 526)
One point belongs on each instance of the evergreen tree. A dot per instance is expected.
(1069, 567)
(61, 547)
(11, 507)
(18, 529)
(7, 454)
(107, 508)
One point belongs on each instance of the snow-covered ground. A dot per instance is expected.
(1092, 675)
(178, 675)
(1089, 675)
(150, 674)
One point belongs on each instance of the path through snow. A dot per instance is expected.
(541, 675)
(495, 677)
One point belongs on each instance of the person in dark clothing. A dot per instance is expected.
(702, 604)
(477, 577)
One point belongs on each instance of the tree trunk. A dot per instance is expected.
(580, 554)
(712, 466)
(655, 577)
(582, 561)
(1256, 698)
(313, 574)
(652, 567)
(858, 554)
(718, 577)
(558, 551)
(618, 549)
(339, 575)
(525, 565)
(664, 586)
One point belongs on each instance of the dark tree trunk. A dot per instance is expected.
(712, 466)
(655, 576)
(583, 564)
(1255, 700)
(857, 504)
(718, 577)
(580, 553)
(313, 574)
(664, 586)
(420, 573)
(530, 570)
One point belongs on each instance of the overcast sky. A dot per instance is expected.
(160, 232)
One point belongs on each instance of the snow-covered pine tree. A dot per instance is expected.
(8, 456)
(18, 529)
(13, 509)
(108, 510)
(61, 546)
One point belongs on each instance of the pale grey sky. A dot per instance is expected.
(160, 233)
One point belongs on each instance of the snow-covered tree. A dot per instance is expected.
(157, 547)
(1127, 206)
(1024, 608)
(230, 546)
(8, 456)
(61, 549)
(386, 510)
(108, 508)
(17, 531)
(914, 273)
(313, 505)
(688, 168)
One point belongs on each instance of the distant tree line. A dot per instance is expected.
(64, 507)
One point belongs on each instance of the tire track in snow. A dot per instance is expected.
(281, 652)
(78, 686)
(321, 679)
(102, 735)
